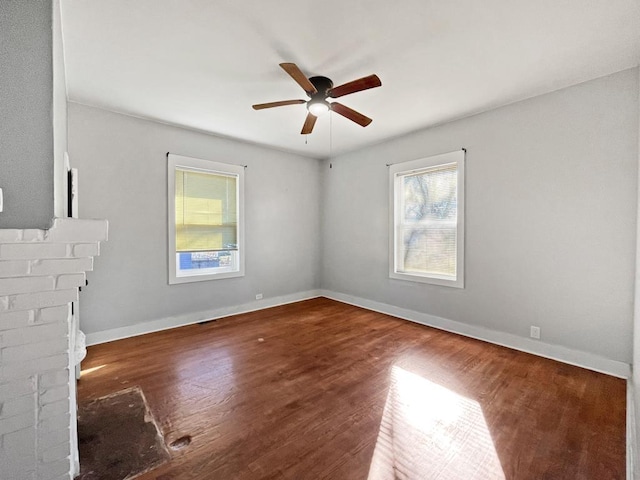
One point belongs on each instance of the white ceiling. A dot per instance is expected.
(201, 64)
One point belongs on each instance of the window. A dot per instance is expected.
(206, 233)
(427, 220)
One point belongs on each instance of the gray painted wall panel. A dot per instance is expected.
(59, 116)
(122, 177)
(634, 384)
(551, 215)
(26, 131)
(551, 208)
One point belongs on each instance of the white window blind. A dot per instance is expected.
(428, 222)
(206, 211)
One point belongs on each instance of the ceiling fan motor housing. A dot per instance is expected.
(323, 85)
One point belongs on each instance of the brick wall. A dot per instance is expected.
(40, 272)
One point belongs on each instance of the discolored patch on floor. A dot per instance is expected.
(118, 437)
(181, 442)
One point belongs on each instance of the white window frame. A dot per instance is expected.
(204, 166)
(396, 173)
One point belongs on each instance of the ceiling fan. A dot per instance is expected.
(319, 89)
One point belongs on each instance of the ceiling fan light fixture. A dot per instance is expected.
(318, 107)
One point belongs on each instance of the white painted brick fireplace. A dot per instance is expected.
(40, 272)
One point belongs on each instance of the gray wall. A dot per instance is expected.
(59, 116)
(551, 218)
(123, 178)
(635, 370)
(26, 132)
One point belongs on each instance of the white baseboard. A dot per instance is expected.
(195, 317)
(632, 444)
(536, 347)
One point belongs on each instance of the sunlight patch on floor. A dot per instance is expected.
(429, 432)
(87, 371)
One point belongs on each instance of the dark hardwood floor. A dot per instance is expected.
(323, 390)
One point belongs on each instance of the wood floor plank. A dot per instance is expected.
(320, 389)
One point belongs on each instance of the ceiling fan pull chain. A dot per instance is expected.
(330, 134)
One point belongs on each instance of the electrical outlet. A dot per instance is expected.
(259, 296)
(535, 332)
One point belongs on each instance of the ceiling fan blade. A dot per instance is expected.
(260, 106)
(310, 121)
(351, 114)
(293, 70)
(364, 83)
